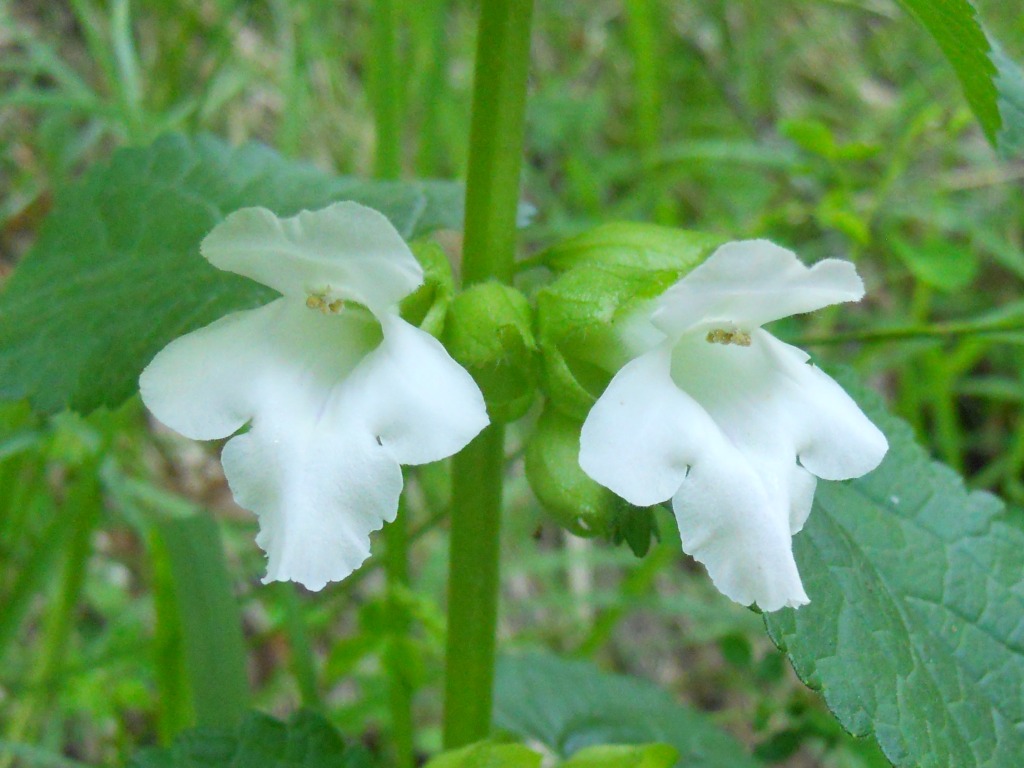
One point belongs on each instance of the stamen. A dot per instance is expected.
(722, 336)
(325, 304)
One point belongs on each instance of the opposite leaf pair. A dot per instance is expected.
(713, 412)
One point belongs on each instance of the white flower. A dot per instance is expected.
(338, 388)
(729, 422)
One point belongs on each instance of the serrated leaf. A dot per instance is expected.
(954, 26)
(991, 81)
(116, 271)
(571, 705)
(915, 631)
(305, 741)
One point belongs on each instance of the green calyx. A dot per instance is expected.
(488, 331)
(577, 503)
(427, 306)
(608, 277)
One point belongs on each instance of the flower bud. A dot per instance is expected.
(577, 503)
(488, 332)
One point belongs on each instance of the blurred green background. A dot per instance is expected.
(834, 128)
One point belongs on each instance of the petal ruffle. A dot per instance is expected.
(335, 407)
(207, 384)
(344, 251)
(420, 403)
(745, 284)
(649, 441)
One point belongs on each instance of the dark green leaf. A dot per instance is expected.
(915, 631)
(1010, 83)
(570, 705)
(305, 741)
(116, 272)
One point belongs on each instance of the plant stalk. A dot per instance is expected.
(492, 198)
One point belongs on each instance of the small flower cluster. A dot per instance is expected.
(338, 391)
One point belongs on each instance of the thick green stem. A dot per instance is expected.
(492, 197)
(386, 92)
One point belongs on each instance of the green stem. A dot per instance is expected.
(300, 647)
(916, 332)
(386, 92)
(396, 543)
(642, 31)
(492, 198)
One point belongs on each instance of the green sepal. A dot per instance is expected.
(634, 246)
(488, 331)
(611, 272)
(578, 503)
(427, 306)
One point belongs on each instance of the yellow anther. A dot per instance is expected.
(336, 305)
(315, 301)
(722, 336)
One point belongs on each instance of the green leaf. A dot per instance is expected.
(116, 272)
(199, 624)
(488, 755)
(1010, 84)
(954, 26)
(305, 741)
(938, 261)
(991, 81)
(618, 756)
(915, 631)
(571, 705)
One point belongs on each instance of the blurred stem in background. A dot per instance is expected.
(385, 94)
(492, 198)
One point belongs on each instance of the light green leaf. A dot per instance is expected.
(485, 754)
(571, 705)
(305, 741)
(915, 631)
(940, 262)
(116, 272)
(618, 756)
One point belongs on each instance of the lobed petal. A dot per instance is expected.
(648, 440)
(337, 403)
(420, 403)
(745, 284)
(344, 251)
(735, 436)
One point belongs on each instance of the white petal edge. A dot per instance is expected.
(208, 383)
(419, 403)
(343, 251)
(747, 283)
(643, 432)
(649, 441)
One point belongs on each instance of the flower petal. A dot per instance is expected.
(424, 405)
(343, 251)
(745, 284)
(734, 518)
(208, 383)
(319, 483)
(337, 402)
(643, 433)
(648, 441)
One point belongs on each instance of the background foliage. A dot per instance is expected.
(836, 128)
